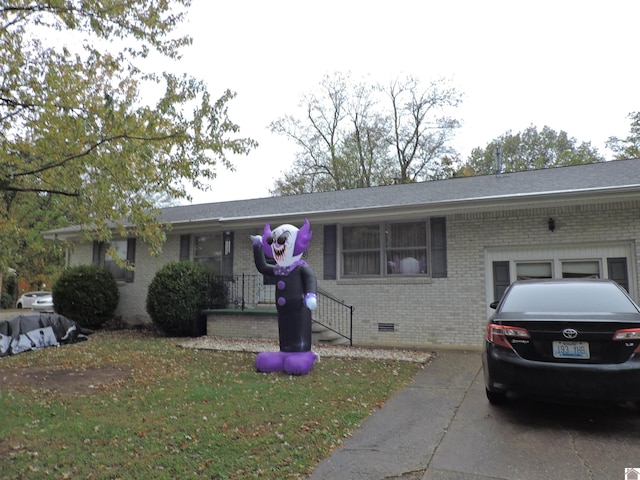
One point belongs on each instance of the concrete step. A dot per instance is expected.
(335, 341)
(322, 335)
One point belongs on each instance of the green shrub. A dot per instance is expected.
(6, 301)
(178, 293)
(87, 294)
(216, 293)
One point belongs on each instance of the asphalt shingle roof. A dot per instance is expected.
(619, 175)
(499, 190)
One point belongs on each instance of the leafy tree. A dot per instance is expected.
(630, 146)
(81, 120)
(37, 260)
(358, 135)
(530, 150)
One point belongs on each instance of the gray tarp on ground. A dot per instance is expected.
(31, 331)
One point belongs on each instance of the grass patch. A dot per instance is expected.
(181, 413)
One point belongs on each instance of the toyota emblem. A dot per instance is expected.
(569, 333)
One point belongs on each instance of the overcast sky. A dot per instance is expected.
(570, 65)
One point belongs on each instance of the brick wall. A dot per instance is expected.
(243, 325)
(453, 310)
(133, 295)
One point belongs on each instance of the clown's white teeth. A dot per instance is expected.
(279, 253)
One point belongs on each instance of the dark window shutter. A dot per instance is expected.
(185, 247)
(438, 247)
(330, 252)
(618, 271)
(227, 254)
(131, 258)
(501, 279)
(97, 253)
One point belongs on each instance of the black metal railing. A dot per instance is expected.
(335, 315)
(247, 291)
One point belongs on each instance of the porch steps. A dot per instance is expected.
(321, 335)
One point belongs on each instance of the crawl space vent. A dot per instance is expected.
(386, 327)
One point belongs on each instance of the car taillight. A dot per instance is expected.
(499, 334)
(630, 335)
(627, 334)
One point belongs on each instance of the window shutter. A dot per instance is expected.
(618, 271)
(330, 252)
(438, 247)
(185, 247)
(227, 254)
(97, 253)
(131, 258)
(501, 279)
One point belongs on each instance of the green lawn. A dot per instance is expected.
(173, 412)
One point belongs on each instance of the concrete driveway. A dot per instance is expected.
(441, 427)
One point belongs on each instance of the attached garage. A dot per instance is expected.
(613, 260)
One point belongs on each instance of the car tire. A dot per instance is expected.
(496, 398)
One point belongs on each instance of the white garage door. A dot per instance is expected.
(505, 265)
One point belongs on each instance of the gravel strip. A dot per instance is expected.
(255, 346)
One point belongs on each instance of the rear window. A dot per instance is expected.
(596, 297)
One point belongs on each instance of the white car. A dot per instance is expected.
(27, 298)
(43, 304)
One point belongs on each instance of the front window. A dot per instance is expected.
(124, 250)
(384, 249)
(208, 251)
(361, 250)
(215, 250)
(406, 248)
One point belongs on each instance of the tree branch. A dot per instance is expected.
(88, 151)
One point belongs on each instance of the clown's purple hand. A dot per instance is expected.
(311, 301)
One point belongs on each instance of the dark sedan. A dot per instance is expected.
(569, 339)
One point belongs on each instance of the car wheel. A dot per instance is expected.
(19, 306)
(496, 398)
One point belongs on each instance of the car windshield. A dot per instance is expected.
(557, 297)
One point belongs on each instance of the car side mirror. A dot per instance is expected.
(494, 305)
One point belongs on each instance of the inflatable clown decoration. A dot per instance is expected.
(295, 296)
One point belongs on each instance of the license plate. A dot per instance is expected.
(578, 350)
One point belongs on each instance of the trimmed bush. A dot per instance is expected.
(6, 301)
(87, 294)
(177, 295)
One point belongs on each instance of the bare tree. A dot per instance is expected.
(318, 164)
(421, 130)
(353, 137)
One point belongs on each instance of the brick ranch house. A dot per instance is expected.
(421, 262)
